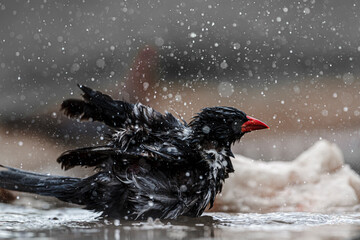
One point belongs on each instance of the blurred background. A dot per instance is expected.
(292, 64)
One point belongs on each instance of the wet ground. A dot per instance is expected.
(25, 222)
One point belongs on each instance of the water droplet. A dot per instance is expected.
(183, 188)
(100, 63)
(237, 46)
(116, 222)
(206, 129)
(223, 64)
(60, 39)
(178, 97)
(307, 10)
(159, 41)
(75, 67)
(192, 35)
(146, 85)
(225, 89)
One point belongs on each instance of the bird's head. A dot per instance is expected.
(222, 126)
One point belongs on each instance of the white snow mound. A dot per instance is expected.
(316, 181)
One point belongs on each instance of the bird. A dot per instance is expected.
(152, 164)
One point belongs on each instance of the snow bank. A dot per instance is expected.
(316, 181)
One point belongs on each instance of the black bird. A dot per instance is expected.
(153, 165)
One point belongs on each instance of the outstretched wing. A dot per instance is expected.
(98, 107)
(141, 132)
(117, 114)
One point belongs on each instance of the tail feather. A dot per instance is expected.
(46, 185)
(94, 192)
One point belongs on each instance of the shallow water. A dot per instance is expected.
(73, 223)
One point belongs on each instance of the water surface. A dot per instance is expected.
(73, 223)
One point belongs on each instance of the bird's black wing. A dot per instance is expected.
(167, 154)
(173, 153)
(100, 107)
(89, 157)
(97, 106)
(97, 157)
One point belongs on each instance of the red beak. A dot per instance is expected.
(253, 124)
